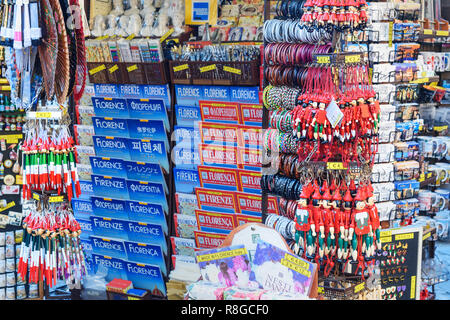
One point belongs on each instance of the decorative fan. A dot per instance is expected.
(80, 76)
(48, 49)
(71, 39)
(62, 77)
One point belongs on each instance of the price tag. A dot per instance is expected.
(97, 69)
(181, 67)
(102, 38)
(208, 68)
(166, 35)
(132, 68)
(353, 58)
(232, 70)
(426, 235)
(421, 80)
(335, 166)
(5, 88)
(385, 233)
(36, 197)
(19, 179)
(56, 199)
(113, 68)
(130, 37)
(385, 239)
(43, 114)
(442, 33)
(12, 138)
(391, 32)
(4, 81)
(428, 31)
(320, 290)
(323, 59)
(440, 128)
(359, 287)
(334, 114)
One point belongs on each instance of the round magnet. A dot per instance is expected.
(8, 163)
(9, 180)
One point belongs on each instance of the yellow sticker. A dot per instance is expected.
(181, 67)
(132, 68)
(413, 287)
(11, 138)
(391, 32)
(440, 128)
(426, 235)
(97, 69)
(43, 114)
(359, 287)
(442, 33)
(353, 58)
(113, 68)
(166, 35)
(320, 290)
(5, 88)
(405, 236)
(232, 70)
(36, 197)
(56, 199)
(323, 59)
(19, 179)
(9, 205)
(4, 81)
(102, 38)
(130, 37)
(427, 31)
(385, 233)
(421, 80)
(385, 239)
(208, 68)
(335, 166)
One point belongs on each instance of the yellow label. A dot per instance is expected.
(133, 298)
(232, 70)
(297, 261)
(19, 179)
(181, 67)
(102, 38)
(320, 290)
(43, 114)
(385, 239)
(421, 80)
(36, 197)
(5, 88)
(323, 59)
(405, 236)
(12, 138)
(442, 33)
(208, 68)
(107, 199)
(429, 174)
(56, 199)
(9, 205)
(113, 68)
(295, 267)
(386, 233)
(426, 235)
(335, 166)
(359, 287)
(166, 35)
(413, 287)
(440, 128)
(130, 37)
(391, 32)
(422, 177)
(222, 255)
(427, 31)
(97, 69)
(132, 68)
(4, 81)
(353, 58)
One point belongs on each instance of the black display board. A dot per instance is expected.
(400, 263)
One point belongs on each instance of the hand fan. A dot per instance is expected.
(62, 77)
(80, 76)
(71, 39)
(48, 49)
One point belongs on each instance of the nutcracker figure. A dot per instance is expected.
(374, 218)
(347, 207)
(327, 217)
(303, 220)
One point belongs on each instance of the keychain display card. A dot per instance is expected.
(182, 246)
(147, 277)
(109, 247)
(184, 156)
(150, 151)
(215, 222)
(107, 186)
(147, 212)
(229, 266)
(186, 115)
(188, 136)
(87, 229)
(109, 208)
(108, 167)
(185, 225)
(219, 178)
(208, 240)
(278, 270)
(116, 267)
(216, 200)
(146, 253)
(186, 180)
(110, 107)
(112, 147)
(186, 203)
(146, 233)
(110, 228)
